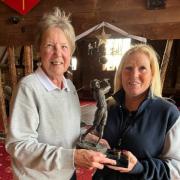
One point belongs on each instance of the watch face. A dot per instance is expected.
(21, 6)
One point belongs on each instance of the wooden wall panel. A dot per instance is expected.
(130, 15)
(12, 67)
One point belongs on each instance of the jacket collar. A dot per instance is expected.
(120, 99)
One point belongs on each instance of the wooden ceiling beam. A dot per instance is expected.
(152, 31)
(129, 15)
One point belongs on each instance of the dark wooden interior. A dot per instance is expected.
(132, 16)
(159, 25)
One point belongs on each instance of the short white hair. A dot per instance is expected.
(57, 18)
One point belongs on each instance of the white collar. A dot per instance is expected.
(47, 83)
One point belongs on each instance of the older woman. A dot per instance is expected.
(45, 112)
(141, 123)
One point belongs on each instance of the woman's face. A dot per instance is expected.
(136, 75)
(55, 52)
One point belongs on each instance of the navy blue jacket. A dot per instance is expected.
(146, 134)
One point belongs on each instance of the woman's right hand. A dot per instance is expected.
(91, 159)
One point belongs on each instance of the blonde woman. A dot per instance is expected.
(142, 124)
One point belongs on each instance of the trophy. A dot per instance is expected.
(100, 89)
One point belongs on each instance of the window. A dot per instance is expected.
(74, 63)
(115, 48)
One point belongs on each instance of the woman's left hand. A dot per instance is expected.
(132, 160)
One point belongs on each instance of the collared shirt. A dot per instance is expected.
(47, 83)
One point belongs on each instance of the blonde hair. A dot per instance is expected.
(57, 18)
(155, 86)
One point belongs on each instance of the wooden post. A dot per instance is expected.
(3, 106)
(28, 59)
(165, 60)
(12, 67)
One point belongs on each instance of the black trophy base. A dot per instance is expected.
(121, 159)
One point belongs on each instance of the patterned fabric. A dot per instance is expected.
(5, 164)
